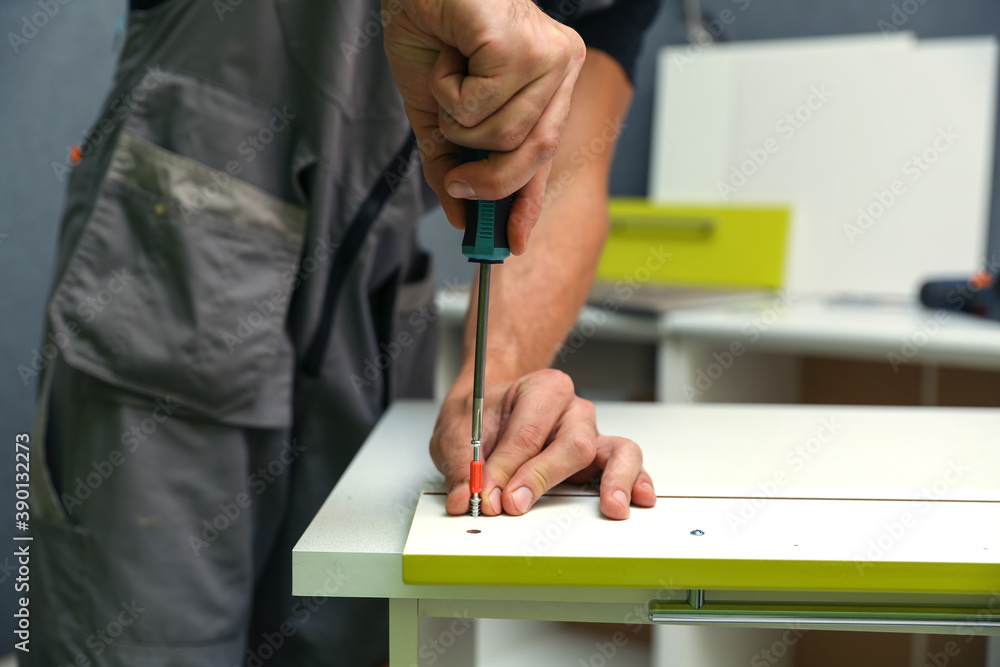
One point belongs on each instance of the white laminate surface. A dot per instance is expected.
(897, 458)
(801, 324)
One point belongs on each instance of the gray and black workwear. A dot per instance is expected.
(237, 272)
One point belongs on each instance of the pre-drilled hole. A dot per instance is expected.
(473, 531)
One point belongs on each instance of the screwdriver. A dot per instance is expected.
(485, 242)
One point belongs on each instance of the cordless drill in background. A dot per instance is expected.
(978, 295)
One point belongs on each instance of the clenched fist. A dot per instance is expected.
(496, 75)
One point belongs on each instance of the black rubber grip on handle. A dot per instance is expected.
(485, 237)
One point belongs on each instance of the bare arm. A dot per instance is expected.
(537, 296)
(539, 432)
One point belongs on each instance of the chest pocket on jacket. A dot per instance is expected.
(180, 281)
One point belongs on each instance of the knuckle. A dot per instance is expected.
(564, 46)
(546, 146)
(463, 112)
(498, 184)
(524, 221)
(537, 51)
(501, 477)
(530, 438)
(454, 474)
(578, 48)
(539, 481)
(558, 380)
(510, 138)
(583, 445)
(635, 451)
(429, 174)
(442, 92)
(446, 122)
(475, 105)
(570, 47)
(587, 407)
(449, 132)
(459, 116)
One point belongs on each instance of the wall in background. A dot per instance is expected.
(51, 89)
(53, 84)
(757, 19)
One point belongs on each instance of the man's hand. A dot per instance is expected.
(495, 75)
(536, 433)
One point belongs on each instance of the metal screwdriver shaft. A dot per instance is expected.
(485, 242)
(479, 384)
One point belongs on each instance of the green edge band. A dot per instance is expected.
(656, 573)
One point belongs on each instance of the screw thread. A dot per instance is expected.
(475, 505)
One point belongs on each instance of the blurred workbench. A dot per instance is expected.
(783, 516)
(823, 350)
(679, 347)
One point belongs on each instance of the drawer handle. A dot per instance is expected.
(777, 615)
(700, 227)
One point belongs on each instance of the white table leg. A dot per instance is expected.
(403, 635)
(928, 384)
(449, 356)
(694, 646)
(673, 370)
(450, 641)
(993, 652)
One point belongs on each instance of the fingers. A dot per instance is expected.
(526, 210)
(509, 126)
(524, 170)
(472, 89)
(499, 77)
(519, 118)
(546, 435)
(456, 455)
(438, 156)
(524, 213)
(506, 172)
(536, 404)
(624, 481)
(573, 448)
(459, 499)
(451, 452)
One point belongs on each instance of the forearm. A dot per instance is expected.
(536, 297)
(536, 431)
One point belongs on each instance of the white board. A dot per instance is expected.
(763, 484)
(883, 147)
(834, 530)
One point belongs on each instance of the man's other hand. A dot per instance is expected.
(536, 433)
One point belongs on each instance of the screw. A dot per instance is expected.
(697, 533)
(475, 504)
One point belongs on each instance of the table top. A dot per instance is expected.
(804, 497)
(799, 324)
(840, 327)
(617, 320)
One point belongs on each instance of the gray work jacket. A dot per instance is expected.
(251, 170)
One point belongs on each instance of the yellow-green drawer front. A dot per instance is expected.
(725, 247)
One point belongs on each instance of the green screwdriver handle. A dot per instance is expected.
(485, 239)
